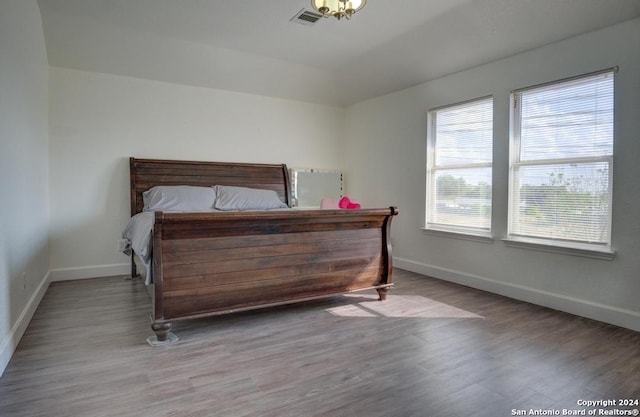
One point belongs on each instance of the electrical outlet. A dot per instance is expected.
(122, 243)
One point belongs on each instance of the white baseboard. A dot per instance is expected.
(584, 308)
(9, 345)
(97, 271)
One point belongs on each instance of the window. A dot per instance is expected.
(459, 160)
(561, 163)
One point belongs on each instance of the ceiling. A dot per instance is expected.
(253, 47)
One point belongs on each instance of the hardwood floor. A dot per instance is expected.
(437, 349)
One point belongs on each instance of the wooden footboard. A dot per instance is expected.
(214, 263)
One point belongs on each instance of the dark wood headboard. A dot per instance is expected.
(147, 173)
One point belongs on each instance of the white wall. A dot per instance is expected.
(24, 207)
(98, 121)
(386, 155)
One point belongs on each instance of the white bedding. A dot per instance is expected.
(138, 232)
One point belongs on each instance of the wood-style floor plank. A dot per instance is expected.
(85, 354)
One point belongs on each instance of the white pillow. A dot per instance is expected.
(242, 198)
(178, 198)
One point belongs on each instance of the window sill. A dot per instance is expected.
(554, 247)
(459, 234)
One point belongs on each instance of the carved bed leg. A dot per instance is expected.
(382, 293)
(163, 334)
(162, 330)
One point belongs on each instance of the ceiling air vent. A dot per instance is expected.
(305, 17)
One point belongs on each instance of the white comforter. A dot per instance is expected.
(138, 235)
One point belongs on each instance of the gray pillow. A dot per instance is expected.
(243, 198)
(178, 198)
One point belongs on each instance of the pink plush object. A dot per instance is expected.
(346, 203)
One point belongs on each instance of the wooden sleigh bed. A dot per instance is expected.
(210, 263)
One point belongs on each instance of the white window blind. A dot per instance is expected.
(562, 160)
(459, 160)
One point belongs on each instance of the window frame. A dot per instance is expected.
(456, 231)
(565, 244)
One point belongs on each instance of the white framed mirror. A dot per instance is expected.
(309, 186)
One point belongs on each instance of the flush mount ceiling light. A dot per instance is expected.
(338, 8)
